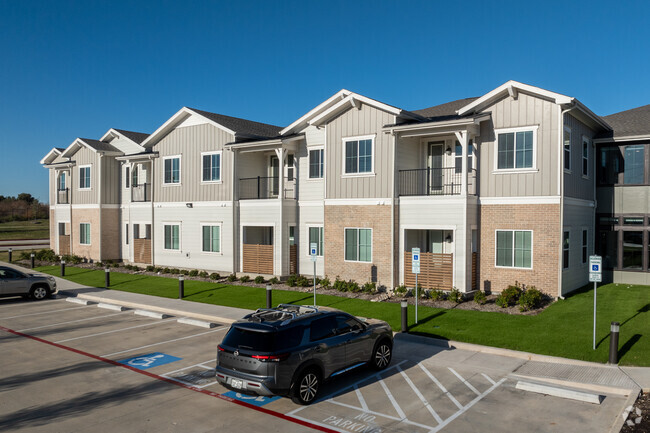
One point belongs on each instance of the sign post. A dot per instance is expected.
(415, 268)
(313, 250)
(595, 275)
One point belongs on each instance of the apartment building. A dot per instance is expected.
(493, 190)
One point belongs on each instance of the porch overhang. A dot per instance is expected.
(445, 127)
(148, 156)
(288, 143)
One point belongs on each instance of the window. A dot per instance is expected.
(147, 231)
(126, 234)
(322, 328)
(172, 241)
(358, 245)
(514, 249)
(61, 229)
(84, 177)
(61, 186)
(585, 156)
(316, 164)
(135, 177)
(211, 239)
(316, 237)
(567, 148)
(458, 159)
(358, 156)
(136, 231)
(633, 172)
(127, 177)
(565, 251)
(584, 246)
(632, 250)
(515, 149)
(290, 166)
(84, 233)
(172, 170)
(211, 167)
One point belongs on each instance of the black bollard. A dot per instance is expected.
(32, 257)
(269, 291)
(10, 252)
(613, 343)
(405, 306)
(63, 268)
(108, 276)
(181, 287)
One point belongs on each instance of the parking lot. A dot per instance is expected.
(66, 367)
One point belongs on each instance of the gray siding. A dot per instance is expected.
(623, 199)
(189, 142)
(85, 156)
(366, 121)
(575, 185)
(310, 189)
(526, 110)
(577, 219)
(111, 180)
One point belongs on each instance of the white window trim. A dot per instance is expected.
(211, 224)
(532, 249)
(180, 170)
(90, 187)
(309, 149)
(567, 129)
(180, 237)
(216, 152)
(370, 173)
(372, 253)
(90, 237)
(532, 169)
(586, 140)
(321, 226)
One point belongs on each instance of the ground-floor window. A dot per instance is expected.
(358, 245)
(632, 250)
(84, 233)
(172, 239)
(316, 237)
(211, 238)
(514, 248)
(624, 242)
(565, 250)
(585, 240)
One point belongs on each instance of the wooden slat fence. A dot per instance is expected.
(258, 259)
(436, 271)
(474, 271)
(64, 245)
(142, 251)
(293, 259)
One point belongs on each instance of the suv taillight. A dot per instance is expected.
(271, 358)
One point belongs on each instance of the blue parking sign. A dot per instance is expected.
(150, 360)
(255, 400)
(594, 268)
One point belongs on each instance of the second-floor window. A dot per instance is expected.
(515, 148)
(567, 148)
(172, 169)
(358, 155)
(61, 186)
(84, 177)
(211, 163)
(316, 164)
(127, 177)
(585, 156)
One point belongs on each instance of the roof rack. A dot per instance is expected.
(281, 313)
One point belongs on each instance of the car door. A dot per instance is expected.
(359, 342)
(14, 282)
(330, 344)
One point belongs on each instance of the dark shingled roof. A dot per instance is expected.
(444, 111)
(628, 123)
(242, 127)
(137, 137)
(60, 149)
(100, 145)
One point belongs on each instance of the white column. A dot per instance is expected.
(462, 137)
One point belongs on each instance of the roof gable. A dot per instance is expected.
(52, 155)
(94, 145)
(629, 123)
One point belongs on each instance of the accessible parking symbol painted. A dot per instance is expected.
(255, 400)
(150, 360)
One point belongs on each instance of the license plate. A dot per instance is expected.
(236, 383)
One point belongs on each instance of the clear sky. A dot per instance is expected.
(77, 68)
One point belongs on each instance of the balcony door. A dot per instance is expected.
(274, 174)
(435, 162)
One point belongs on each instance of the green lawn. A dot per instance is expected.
(34, 229)
(563, 329)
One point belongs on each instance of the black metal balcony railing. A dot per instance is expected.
(265, 187)
(62, 196)
(141, 192)
(434, 181)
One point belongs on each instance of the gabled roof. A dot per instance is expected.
(240, 128)
(51, 155)
(94, 145)
(127, 142)
(629, 124)
(135, 137)
(303, 121)
(446, 111)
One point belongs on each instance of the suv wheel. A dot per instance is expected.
(382, 354)
(39, 292)
(305, 388)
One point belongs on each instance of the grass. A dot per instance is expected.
(33, 229)
(563, 329)
(4, 255)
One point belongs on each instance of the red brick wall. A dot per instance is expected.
(544, 221)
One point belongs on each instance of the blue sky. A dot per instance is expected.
(77, 68)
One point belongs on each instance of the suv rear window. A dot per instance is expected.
(248, 339)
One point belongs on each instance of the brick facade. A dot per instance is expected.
(544, 221)
(376, 217)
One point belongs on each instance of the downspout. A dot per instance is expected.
(152, 232)
(99, 200)
(561, 194)
(392, 215)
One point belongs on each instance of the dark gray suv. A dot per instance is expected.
(291, 349)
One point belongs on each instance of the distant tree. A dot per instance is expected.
(26, 197)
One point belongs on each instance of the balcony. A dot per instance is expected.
(141, 193)
(434, 181)
(265, 187)
(62, 196)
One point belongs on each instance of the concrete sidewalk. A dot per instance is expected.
(562, 371)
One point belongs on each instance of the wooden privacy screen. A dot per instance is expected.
(64, 245)
(142, 251)
(258, 259)
(474, 271)
(293, 259)
(436, 271)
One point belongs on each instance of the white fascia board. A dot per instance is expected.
(111, 133)
(304, 120)
(621, 139)
(347, 103)
(138, 157)
(596, 118)
(434, 125)
(74, 147)
(508, 88)
(51, 156)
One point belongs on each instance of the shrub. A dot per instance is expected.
(244, 278)
(157, 269)
(303, 281)
(509, 296)
(274, 280)
(353, 287)
(46, 255)
(400, 290)
(437, 295)
(69, 259)
(184, 272)
(292, 280)
(99, 264)
(340, 285)
(369, 288)
(231, 278)
(203, 274)
(530, 299)
(455, 296)
(480, 298)
(424, 293)
(194, 273)
(325, 282)
(259, 279)
(215, 276)
(150, 268)
(114, 265)
(174, 271)
(166, 271)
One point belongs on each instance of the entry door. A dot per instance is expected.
(274, 173)
(436, 152)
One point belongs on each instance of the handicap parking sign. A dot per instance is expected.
(594, 268)
(255, 400)
(150, 360)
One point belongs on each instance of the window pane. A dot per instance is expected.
(351, 244)
(365, 245)
(206, 238)
(565, 250)
(634, 164)
(632, 250)
(505, 151)
(504, 248)
(168, 237)
(523, 244)
(458, 159)
(524, 149)
(365, 156)
(207, 168)
(127, 177)
(584, 246)
(168, 171)
(607, 248)
(216, 167)
(320, 241)
(175, 237)
(567, 149)
(610, 165)
(313, 238)
(176, 170)
(316, 164)
(585, 158)
(351, 157)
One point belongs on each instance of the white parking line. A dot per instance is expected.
(488, 378)
(111, 332)
(191, 366)
(398, 409)
(163, 342)
(362, 400)
(469, 385)
(420, 396)
(71, 321)
(42, 312)
(440, 385)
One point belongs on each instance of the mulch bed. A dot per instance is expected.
(638, 416)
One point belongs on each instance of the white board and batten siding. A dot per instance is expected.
(577, 217)
(85, 157)
(575, 184)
